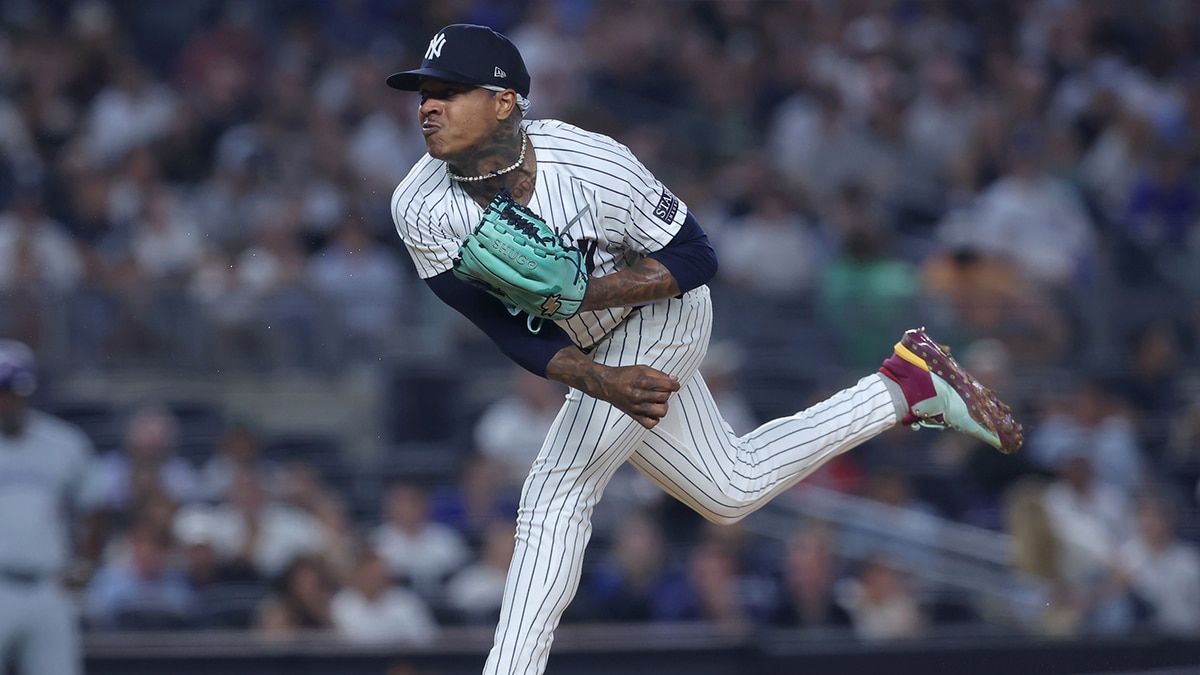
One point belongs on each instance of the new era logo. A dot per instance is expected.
(499, 73)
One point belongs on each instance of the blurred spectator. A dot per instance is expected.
(218, 67)
(184, 154)
(36, 251)
(89, 212)
(365, 286)
(810, 572)
(481, 495)
(882, 604)
(239, 447)
(1090, 520)
(981, 162)
(982, 295)
(325, 181)
(756, 561)
(339, 536)
(52, 115)
(133, 110)
(1041, 600)
(1032, 218)
(819, 146)
(281, 328)
(1035, 546)
(1154, 222)
(143, 591)
(1154, 382)
(16, 144)
(1163, 203)
(387, 141)
(475, 591)
(908, 519)
(165, 243)
(903, 175)
(225, 205)
(1160, 569)
(865, 291)
(202, 561)
(301, 600)
(252, 528)
(512, 428)
(1092, 421)
(225, 303)
(1112, 165)
(153, 512)
(771, 249)
(372, 609)
(943, 115)
(416, 548)
(710, 590)
(302, 486)
(546, 42)
(302, 489)
(631, 582)
(147, 461)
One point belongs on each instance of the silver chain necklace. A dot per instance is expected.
(493, 174)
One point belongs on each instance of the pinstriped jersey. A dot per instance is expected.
(588, 185)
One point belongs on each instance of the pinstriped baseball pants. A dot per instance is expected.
(692, 454)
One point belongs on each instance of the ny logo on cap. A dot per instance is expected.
(435, 46)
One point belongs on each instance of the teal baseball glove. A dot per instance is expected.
(514, 255)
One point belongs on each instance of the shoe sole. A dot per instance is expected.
(990, 418)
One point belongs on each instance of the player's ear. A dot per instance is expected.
(506, 103)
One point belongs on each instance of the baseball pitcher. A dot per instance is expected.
(584, 268)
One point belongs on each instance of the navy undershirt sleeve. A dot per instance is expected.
(531, 351)
(688, 256)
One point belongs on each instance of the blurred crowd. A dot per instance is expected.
(211, 181)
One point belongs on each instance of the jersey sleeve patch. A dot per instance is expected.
(668, 206)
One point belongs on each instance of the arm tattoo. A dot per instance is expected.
(643, 282)
(573, 368)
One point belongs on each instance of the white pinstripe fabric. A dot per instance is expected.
(590, 188)
(692, 454)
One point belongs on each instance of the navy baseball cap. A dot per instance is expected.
(469, 54)
(17, 368)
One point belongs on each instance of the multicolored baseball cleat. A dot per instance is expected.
(941, 395)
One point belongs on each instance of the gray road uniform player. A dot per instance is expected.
(631, 355)
(45, 465)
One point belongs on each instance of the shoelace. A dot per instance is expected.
(941, 426)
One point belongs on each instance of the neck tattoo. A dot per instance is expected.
(493, 174)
